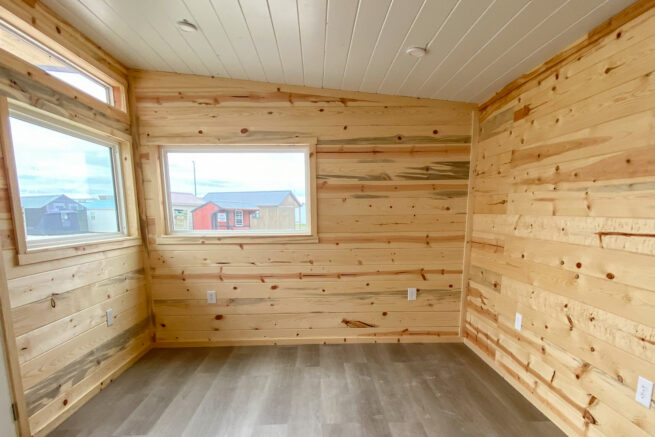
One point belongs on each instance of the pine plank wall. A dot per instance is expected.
(392, 186)
(564, 233)
(561, 226)
(61, 350)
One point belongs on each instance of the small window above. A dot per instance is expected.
(29, 50)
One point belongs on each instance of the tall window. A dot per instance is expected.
(249, 190)
(26, 48)
(68, 183)
(238, 217)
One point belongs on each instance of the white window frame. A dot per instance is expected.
(171, 236)
(236, 219)
(48, 121)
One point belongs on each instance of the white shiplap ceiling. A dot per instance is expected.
(474, 47)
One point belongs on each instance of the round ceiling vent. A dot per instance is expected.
(186, 26)
(416, 51)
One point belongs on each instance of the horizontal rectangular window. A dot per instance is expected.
(258, 191)
(29, 50)
(68, 183)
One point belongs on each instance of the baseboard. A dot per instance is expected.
(534, 400)
(299, 341)
(76, 405)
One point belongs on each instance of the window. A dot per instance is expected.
(180, 220)
(238, 217)
(240, 191)
(68, 183)
(38, 55)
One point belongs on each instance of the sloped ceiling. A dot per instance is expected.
(474, 47)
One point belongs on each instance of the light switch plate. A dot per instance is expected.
(211, 296)
(644, 392)
(518, 321)
(110, 317)
(411, 294)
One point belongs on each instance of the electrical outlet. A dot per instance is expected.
(411, 294)
(211, 296)
(644, 392)
(518, 321)
(110, 317)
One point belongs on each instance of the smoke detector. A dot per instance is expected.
(416, 51)
(186, 26)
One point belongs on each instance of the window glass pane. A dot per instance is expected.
(66, 184)
(253, 192)
(19, 45)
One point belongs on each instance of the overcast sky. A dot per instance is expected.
(50, 162)
(255, 171)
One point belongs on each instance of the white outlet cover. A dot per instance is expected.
(211, 296)
(110, 317)
(518, 321)
(411, 294)
(644, 392)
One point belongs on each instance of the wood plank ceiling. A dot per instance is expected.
(474, 46)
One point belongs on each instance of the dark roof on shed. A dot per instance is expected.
(35, 202)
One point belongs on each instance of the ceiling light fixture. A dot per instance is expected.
(186, 26)
(416, 51)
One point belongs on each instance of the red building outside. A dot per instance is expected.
(210, 216)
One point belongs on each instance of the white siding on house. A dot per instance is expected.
(102, 220)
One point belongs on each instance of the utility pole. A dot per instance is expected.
(195, 187)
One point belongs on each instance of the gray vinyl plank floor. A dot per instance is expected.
(375, 390)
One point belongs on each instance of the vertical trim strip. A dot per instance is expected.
(469, 222)
(15, 379)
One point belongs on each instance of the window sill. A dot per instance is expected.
(234, 239)
(52, 253)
